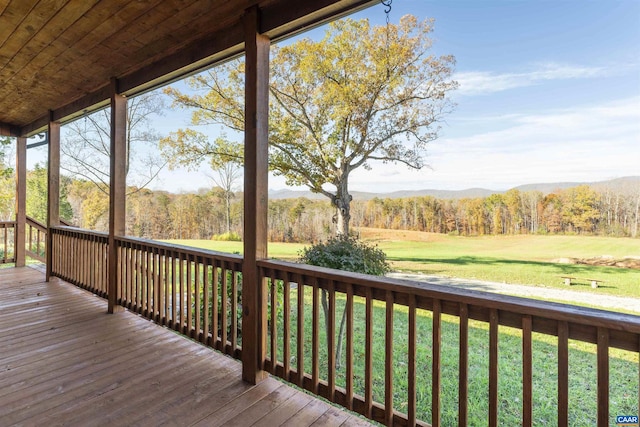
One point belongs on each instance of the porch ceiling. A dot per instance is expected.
(60, 55)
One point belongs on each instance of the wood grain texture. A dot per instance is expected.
(66, 362)
(60, 54)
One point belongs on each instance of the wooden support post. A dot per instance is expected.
(53, 188)
(117, 187)
(254, 334)
(21, 201)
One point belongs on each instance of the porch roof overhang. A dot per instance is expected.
(57, 59)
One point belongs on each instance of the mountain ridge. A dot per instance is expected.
(620, 184)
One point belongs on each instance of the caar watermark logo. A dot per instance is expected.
(627, 420)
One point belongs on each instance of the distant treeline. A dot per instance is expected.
(577, 210)
(203, 215)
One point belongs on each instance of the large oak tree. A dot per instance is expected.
(361, 94)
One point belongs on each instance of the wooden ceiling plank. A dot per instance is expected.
(98, 13)
(13, 15)
(180, 38)
(76, 54)
(3, 5)
(185, 33)
(30, 26)
(164, 24)
(42, 49)
(149, 24)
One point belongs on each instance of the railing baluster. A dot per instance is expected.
(223, 310)
(234, 309)
(189, 290)
(603, 377)
(132, 275)
(157, 286)
(563, 374)
(300, 338)
(122, 280)
(174, 282)
(104, 260)
(368, 354)
(527, 373)
(286, 332)
(196, 289)
(274, 323)
(349, 348)
(166, 261)
(315, 329)
(148, 282)
(436, 336)
(463, 367)
(30, 237)
(217, 270)
(388, 359)
(206, 314)
(493, 367)
(411, 363)
(182, 324)
(139, 284)
(331, 341)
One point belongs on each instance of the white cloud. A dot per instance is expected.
(486, 82)
(587, 143)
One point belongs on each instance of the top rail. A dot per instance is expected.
(545, 315)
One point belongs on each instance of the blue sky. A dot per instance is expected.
(549, 91)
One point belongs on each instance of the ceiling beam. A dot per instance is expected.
(9, 130)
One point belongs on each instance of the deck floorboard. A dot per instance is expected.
(64, 361)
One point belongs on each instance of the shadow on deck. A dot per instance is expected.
(63, 360)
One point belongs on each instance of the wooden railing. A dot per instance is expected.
(390, 345)
(195, 292)
(411, 350)
(36, 236)
(7, 242)
(35, 240)
(81, 257)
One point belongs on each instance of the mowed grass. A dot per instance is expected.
(522, 259)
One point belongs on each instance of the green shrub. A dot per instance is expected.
(231, 236)
(347, 253)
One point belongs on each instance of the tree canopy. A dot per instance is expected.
(361, 94)
(86, 150)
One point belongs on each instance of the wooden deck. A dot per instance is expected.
(64, 361)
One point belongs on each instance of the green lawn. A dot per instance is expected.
(529, 260)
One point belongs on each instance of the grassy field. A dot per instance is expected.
(530, 260)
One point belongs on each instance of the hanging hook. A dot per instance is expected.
(387, 11)
(387, 6)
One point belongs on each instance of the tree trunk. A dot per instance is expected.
(228, 211)
(342, 202)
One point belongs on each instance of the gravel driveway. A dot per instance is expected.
(590, 298)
